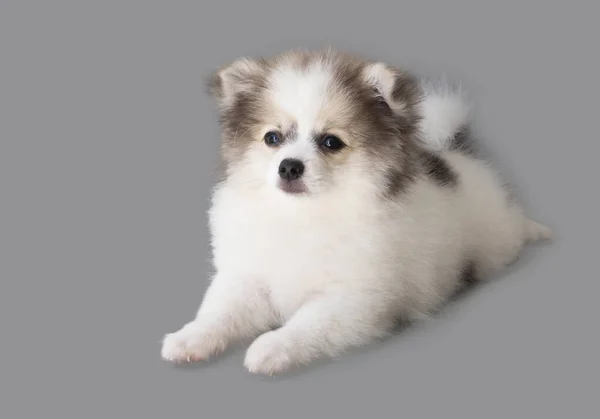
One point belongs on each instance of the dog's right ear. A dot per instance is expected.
(398, 89)
(239, 77)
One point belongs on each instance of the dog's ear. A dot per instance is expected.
(399, 89)
(237, 78)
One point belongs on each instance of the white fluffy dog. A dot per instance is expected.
(350, 198)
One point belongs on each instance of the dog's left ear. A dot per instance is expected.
(237, 78)
(397, 88)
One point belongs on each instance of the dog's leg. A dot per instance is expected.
(230, 311)
(323, 327)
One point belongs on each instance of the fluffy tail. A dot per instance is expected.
(535, 231)
(445, 117)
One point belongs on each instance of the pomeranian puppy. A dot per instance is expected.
(351, 198)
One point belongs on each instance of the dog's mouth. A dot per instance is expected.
(293, 187)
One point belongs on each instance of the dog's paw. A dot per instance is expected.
(190, 344)
(269, 354)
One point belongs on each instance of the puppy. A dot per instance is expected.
(350, 199)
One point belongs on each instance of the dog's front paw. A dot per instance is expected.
(270, 353)
(192, 343)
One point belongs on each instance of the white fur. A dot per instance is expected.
(445, 110)
(303, 149)
(300, 94)
(336, 269)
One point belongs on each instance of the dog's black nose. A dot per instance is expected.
(291, 169)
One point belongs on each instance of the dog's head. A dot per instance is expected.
(306, 122)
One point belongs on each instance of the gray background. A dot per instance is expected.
(108, 144)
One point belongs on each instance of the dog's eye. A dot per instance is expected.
(272, 138)
(332, 142)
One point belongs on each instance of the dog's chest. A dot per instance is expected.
(296, 253)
